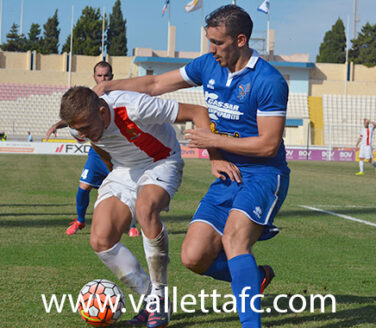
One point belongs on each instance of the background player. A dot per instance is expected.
(94, 171)
(247, 101)
(365, 142)
(132, 134)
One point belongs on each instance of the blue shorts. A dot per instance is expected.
(94, 171)
(259, 197)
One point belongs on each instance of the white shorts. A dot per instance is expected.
(126, 183)
(365, 152)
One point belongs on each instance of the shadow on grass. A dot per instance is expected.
(192, 319)
(167, 218)
(364, 313)
(30, 223)
(34, 205)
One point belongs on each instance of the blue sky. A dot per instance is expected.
(299, 25)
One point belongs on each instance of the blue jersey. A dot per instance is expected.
(95, 170)
(235, 100)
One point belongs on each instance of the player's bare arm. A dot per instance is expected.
(53, 129)
(153, 85)
(195, 113)
(358, 142)
(265, 145)
(106, 158)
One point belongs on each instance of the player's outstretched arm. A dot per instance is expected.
(53, 129)
(153, 85)
(266, 144)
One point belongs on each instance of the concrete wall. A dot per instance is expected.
(33, 68)
(297, 135)
(331, 79)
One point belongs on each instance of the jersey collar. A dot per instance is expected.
(253, 60)
(251, 64)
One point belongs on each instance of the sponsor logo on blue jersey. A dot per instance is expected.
(211, 83)
(217, 108)
(243, 90)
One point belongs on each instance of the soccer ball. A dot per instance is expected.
(101, 302)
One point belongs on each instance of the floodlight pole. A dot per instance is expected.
(347, 53)
(1, 17)
(104, 13)
(168, 26)
(355, 18)
(21, 17)
(71, 52)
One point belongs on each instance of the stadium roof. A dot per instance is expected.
(172, 60)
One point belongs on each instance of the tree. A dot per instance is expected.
(15, 41)
(87, 34)
(116, 33)
(34, 40)
(50, 40)
(363, 49)
(332, 49)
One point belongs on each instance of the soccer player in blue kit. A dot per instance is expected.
(247, 101)
(95, 170)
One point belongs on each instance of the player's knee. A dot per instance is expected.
(145, 210)
(99, 244)
(191, 260)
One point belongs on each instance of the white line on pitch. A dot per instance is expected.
(347, 217)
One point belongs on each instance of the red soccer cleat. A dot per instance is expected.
(74, 227)
(133, 232)
(269, 275)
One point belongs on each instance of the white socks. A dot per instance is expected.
(120, 260)
(126, 267)
(156, 253)
(361, 166)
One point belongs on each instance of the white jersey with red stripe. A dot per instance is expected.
(367, 134)
(140, 130)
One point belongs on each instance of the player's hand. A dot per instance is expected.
(200, 138)
(51, 130)
(100, 88)
(222, 167)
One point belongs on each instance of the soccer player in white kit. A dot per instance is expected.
(132, 133)
(365, 142)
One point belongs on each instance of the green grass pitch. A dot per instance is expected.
(315, 253)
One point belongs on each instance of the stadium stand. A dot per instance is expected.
(297, 106)
(29, 108)
(35, 107)
(343, 117)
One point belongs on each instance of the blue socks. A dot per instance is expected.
(219, 269)
(82, 202)
(245, 273)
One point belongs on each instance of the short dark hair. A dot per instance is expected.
(78, 101)
(235, 19)
(103, 64)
